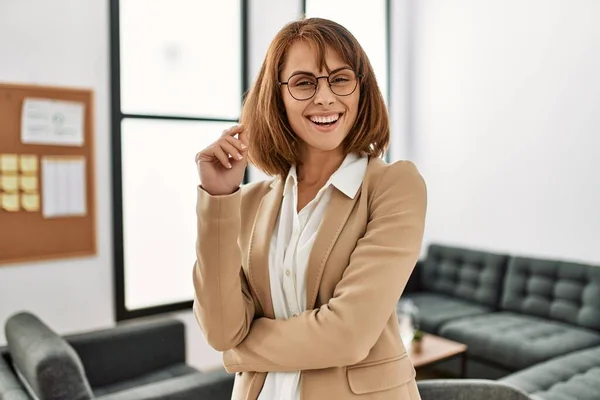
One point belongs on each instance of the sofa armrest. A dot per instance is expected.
(467, 389)
(45, 363)
(414, 282)
(129, 350)
(198, 386)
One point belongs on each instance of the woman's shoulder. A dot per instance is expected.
(402, 172)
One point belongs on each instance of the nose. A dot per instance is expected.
(324, 95)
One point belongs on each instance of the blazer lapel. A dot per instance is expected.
(338, 210)
(258, 265)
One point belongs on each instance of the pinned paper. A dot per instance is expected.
(63, 187)
(8, 163)
(28, 183)
(9, 183)
(28, 164)
(10, 202)
(52, 122)
(30, 202)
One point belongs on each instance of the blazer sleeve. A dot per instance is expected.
(223, 305)
(363, 300)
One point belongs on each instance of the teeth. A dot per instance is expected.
(325, 119)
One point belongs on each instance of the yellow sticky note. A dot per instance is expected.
(28, 163)
(10, 202)
(28, 183)
(8, 162)
(9, 183)
(30, 202)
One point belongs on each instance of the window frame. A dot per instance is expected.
(117, 116)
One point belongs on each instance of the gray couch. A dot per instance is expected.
(518, 315)
(134, 361)
(468, 389)
(573, 376)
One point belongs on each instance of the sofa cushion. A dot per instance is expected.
(517, 341)
(214, 385)
(467, 274)
(557, 290)
(572, 376)
(157, 376)
(468, 389)
(436, 309)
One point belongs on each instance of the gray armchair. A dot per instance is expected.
(134, 361)
(468, 389)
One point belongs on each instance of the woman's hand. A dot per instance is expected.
(222, 164)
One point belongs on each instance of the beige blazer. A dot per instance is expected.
(348, 344)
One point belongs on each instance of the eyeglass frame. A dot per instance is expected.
(358, 77)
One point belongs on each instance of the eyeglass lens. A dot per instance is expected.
(304, 86)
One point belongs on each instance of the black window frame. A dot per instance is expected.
(117, 116)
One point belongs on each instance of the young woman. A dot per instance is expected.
(297, 278)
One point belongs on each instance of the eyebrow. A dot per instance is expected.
(310, 73)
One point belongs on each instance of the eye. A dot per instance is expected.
(340, 79)
(304, 82)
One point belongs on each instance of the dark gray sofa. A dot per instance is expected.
(514, 313)
(142, 360)
(572, 376)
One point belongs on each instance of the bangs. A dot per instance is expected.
(320, 40)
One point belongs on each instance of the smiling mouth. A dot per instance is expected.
(327, 120)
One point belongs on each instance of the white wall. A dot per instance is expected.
(507, 124)
(400, 107)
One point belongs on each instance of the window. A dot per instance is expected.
(178, 78)
(368, 21)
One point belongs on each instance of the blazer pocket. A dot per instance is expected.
(382, 376)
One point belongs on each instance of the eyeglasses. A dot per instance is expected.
(303, 86)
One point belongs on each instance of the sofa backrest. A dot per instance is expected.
(464, 273)
(129, 350)
(558, 290)
(46, 364)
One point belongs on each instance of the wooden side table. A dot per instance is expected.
(435, 349)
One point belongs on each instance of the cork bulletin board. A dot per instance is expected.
(47, 208)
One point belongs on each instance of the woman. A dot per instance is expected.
(297, 278)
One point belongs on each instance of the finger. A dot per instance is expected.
(228, 148)
(243, 136)
(237, 143)
(234, 130)
(221, 156)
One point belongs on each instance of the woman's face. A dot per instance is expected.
(323, 121)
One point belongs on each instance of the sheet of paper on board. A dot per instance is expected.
(63, 187)
(52, 122)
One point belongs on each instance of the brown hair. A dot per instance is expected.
(273, 144)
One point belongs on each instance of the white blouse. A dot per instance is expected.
(291, 243)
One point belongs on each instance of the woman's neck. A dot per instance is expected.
(317, 168)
